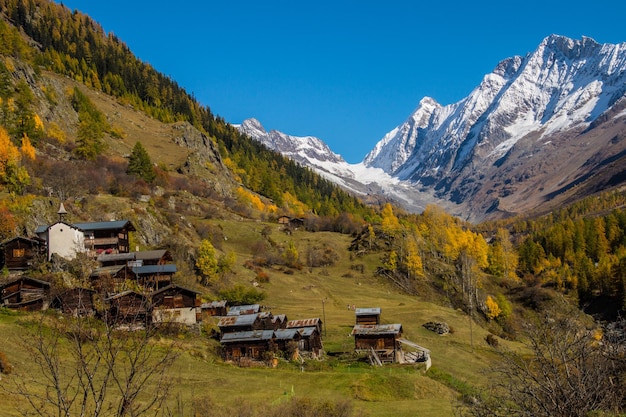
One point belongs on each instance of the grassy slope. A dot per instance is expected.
(388, 391)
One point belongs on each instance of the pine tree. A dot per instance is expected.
(139, 163)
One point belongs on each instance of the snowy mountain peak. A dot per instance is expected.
(532, 129)
(252, 127)
(306, 150)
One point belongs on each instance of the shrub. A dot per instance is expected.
(5, 366)
(492, 340)
(262, 277)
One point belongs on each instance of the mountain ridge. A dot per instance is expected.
(524, 139)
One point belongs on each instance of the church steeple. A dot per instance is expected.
(62, 212)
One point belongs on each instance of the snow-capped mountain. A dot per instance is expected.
(307, 150)
(535, 127)
(314, 153)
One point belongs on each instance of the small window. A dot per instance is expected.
(168, 301)
(19, 253)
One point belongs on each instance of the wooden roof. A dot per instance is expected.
(376, 329)
(247, 336)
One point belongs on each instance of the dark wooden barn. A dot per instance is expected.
(25, 293)
(279, 321)
(310, 341)
(288, 341)
(213, 309)
(379, 340)
(19, 253)
(111, 279)
(128, 307)
(252, 344)
(154, 276)
(367, 316)
(75, 301)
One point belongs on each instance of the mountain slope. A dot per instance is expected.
(538, 131)
(535, 127)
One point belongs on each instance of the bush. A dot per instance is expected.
(241, 295)
(5, 366)
(492, 340)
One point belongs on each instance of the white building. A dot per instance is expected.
(62, 239)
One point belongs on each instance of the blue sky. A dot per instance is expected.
(347, 72)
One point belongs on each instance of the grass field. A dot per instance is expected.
(326, 293)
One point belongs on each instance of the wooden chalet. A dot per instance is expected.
(291, 223)
(107, 237)
(380, 341)
(75, 301)
(128, 307)
(213, 309)
(111, 279)
(310, 341)
(250, 344)
(296, 223)
(25, 293)
(286, 337)
(154, 276)
(175, 304)
(367, 316)
(19, 253)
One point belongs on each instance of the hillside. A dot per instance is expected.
(301, 294)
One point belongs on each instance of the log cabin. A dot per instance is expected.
(25, 293)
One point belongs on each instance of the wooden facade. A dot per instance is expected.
(367, 316)
(287, 340)
(19, 253)
(251, 344)
(110, 279)
(175, 296)
(107, 237)
(154, 277)
(75, 301)
(381, 340)
(213, 309)
(128, 307)
(25, 293)
(310, 341)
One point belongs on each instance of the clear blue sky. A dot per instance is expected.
(345, 71)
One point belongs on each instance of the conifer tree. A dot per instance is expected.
(139, 163)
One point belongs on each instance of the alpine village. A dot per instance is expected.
(157, 261)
